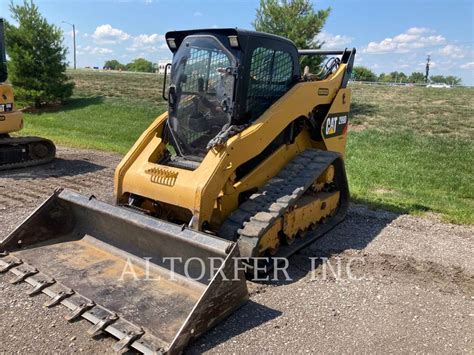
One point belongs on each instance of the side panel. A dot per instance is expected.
(9, 121)
(334, 127)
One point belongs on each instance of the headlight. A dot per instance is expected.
(6, 107)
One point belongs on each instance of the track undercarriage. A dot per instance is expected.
(306, 199)
(21, 152)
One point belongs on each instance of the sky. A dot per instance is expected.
(389, 35)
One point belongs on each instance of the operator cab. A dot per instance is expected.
(223, 78)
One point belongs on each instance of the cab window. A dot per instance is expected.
(271, 73)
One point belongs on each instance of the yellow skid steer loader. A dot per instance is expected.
(246, 165)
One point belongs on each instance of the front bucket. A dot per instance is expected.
(153, 285)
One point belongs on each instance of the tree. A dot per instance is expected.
(114, 65)
(37, 57)
(361, 73)
(398, 77)
(449, 80)
(452, 80)
(417, 77)
(141, 65)
(385, 78)
(296, 20)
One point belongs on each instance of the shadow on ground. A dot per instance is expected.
(406, 208)
(57, 168)
(249, 316)
(360, 110)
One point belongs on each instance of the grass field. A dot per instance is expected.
(109, 111)
(409, 149)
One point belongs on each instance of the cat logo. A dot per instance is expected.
(331, 124)
(335, 125)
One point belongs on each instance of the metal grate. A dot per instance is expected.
(270, 78)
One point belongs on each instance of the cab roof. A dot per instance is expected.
(243, 35)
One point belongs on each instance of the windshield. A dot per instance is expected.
(200, 94)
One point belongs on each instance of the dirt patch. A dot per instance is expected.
(356, 127)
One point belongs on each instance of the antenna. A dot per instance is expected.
(428, 60)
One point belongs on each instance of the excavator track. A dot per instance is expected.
(22, 152)
(258, 215)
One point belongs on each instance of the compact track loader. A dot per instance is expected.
(246, 165)
(17, 152)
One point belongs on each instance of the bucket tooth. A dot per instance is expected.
(60, 296)
(79, 310)
(42, 282)
(9, 263)
(127, 340)
(102, 324)
(22, 272)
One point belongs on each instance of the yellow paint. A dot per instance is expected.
(9, 121)
(310, 210)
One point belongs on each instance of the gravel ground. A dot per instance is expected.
(406, 283)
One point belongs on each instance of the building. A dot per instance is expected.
(161, 65)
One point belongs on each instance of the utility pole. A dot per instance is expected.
(73, 40)
(428, 59)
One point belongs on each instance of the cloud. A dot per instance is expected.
(197, 13)
(333, 41)
(452, 51)
(144, 39)
(94, 50)
(108, 34)
(148, 43)
(469, 65)
(418, 30)
(413, 38)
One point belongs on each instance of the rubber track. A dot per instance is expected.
(255, 216)
(26, 141)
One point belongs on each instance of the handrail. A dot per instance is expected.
(320, 52)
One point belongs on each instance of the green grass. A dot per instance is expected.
(420, 110)
(412, 174)
(409, 148)
(128, 85)
(94, 122)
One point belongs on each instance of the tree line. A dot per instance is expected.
(361, 73)
(138, 65)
